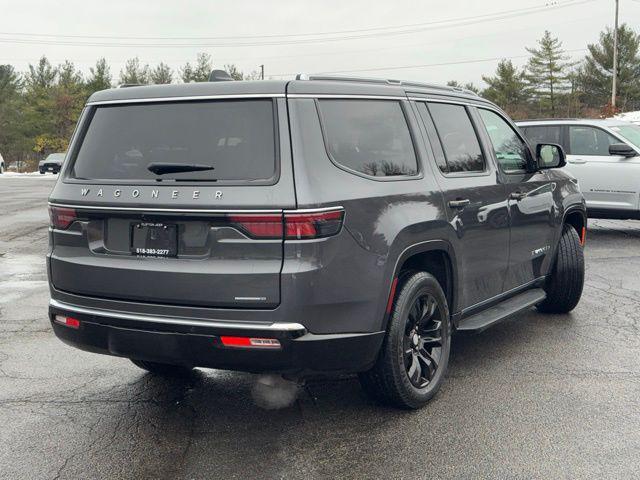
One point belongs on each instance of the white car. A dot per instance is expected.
(604, 155)
(3, 167)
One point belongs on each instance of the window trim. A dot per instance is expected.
(476, 173)
(403, 107)
(519, 171)
(91, 108)
(568, 150)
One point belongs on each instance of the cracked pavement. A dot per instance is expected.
(539, 396)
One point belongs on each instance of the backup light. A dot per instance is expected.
(67, 321)
(250, 342)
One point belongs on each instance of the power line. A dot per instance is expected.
(424, 65)
(374, 32)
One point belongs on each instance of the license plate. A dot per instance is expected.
(154, 239)
(50, 169)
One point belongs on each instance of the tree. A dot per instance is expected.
(41, 76)
(467, 86)
(10, 85)
(234, 72)
(508, 88)
(596, 73)
(134, 72)
(99, 77)
(547, 70)
(200, 72)
(161, 74)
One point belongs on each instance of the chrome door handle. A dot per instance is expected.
(578, 161)
(517, 196)
(459, 203)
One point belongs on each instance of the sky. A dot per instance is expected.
(428, 40)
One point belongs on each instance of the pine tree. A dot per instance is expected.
(467, 86)
(596, 73)
(99, 78)
(134, 72)
(161, 74)
(508, 88)
(547, 70)
(200, 72)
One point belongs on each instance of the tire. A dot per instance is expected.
(389, 380)
(163, 369)
(42, 172)
(564, 286)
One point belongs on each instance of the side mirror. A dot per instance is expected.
(622, 149)
(550, 155)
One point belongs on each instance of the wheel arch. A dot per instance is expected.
(436, 257)
(577, 218)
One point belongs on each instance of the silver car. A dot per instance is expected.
(604, 155)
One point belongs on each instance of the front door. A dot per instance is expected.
(531, 202)
(608, 182)
(475, 201)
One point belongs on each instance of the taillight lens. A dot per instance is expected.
(291, 226)
(250, 342)
(62, 217)
(312, 225)
(258, 226)
(67, 321)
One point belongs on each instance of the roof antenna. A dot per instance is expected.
(220, 76)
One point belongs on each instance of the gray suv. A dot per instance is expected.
(320, 225)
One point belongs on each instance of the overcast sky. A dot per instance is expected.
(434, 32)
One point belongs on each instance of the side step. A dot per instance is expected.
(503, 310)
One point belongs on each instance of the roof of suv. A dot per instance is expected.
(602, 122)
(319, 85)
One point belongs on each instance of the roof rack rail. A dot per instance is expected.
(127, 85)
(385, 81)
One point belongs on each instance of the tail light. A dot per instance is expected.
(67, 321)
(291, 226)
(250, 342)
(62, 217)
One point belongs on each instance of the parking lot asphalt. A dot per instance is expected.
(539, 396)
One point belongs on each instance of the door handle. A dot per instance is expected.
(459, 203)
(517, 196)
(578, 161)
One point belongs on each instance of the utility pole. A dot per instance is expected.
(262, 66)
(615, 59)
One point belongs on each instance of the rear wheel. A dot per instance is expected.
(163, 369)
(415, 354)
(564, 286)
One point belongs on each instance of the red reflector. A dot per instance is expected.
(249, 342)
(258, 226)
(392, 294)
(62, 217)
(583, 237)
(67, 321)
(300, 226)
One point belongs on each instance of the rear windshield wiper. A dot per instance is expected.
(160, 168)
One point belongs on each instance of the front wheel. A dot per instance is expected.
(415, 354)
(564, 285)
(163, 369)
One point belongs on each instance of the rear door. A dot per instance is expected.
(475, 200)
(532, 209)
(608, 182)
(208, 237)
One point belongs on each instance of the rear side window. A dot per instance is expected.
(369, 136)
(458, 137)
(589, 141)
(543, 134)
(236, 138)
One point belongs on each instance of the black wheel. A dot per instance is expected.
(163, 369)
(564, 286)
(41, 172)
(415, 355)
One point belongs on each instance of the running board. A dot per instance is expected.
(503, 310)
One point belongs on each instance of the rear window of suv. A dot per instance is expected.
(369, 136)
(235, 137)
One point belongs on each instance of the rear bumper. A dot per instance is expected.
(197, 343)
(53, 168)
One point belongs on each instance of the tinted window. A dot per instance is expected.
(431, 131)
(458, 138)
(511, 152)
(543, 134)
(235, 137)
(589, 141)
(369, 136)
